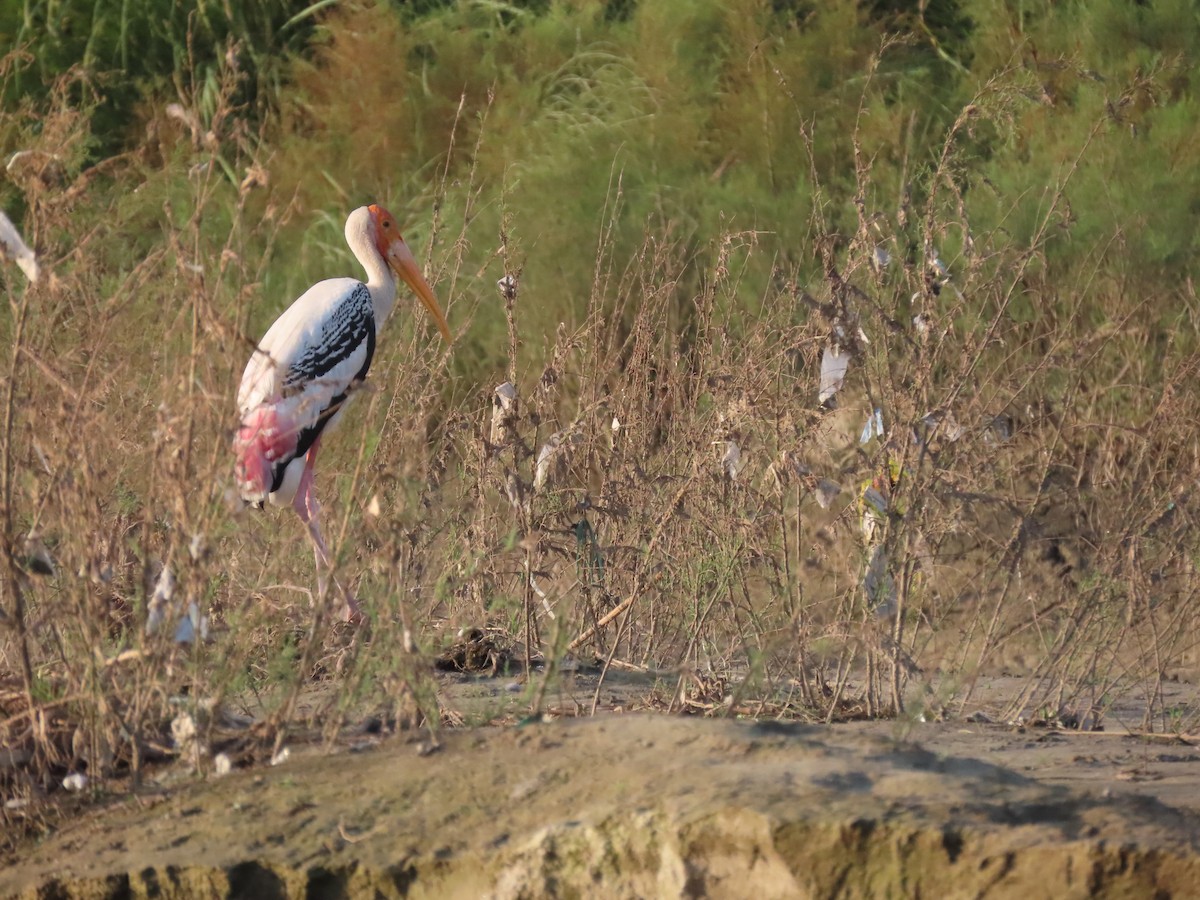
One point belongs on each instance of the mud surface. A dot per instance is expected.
(633, 805)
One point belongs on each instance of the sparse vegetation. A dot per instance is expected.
(991, 208)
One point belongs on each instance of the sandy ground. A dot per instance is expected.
(642, 805)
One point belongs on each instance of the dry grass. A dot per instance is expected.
(646, 496)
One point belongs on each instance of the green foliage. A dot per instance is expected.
(713, 117)
(1108, 88)
(135, 49)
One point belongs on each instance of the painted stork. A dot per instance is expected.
(304, 370)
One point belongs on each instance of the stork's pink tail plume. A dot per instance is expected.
(264, 440)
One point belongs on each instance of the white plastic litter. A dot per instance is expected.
(14, 246)
(873, 428)
(504, 408)
(835, 362)
(731, 462)
(826, 492)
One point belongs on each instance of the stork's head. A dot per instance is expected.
(392, 248)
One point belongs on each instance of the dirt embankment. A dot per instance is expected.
(654, 806)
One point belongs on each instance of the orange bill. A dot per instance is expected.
(403, 263)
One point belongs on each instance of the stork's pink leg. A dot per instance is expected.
(306, 506)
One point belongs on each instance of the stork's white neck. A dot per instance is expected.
(360, 235)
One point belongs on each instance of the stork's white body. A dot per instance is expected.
(304, 369)
(302, 373)
(303, 326)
